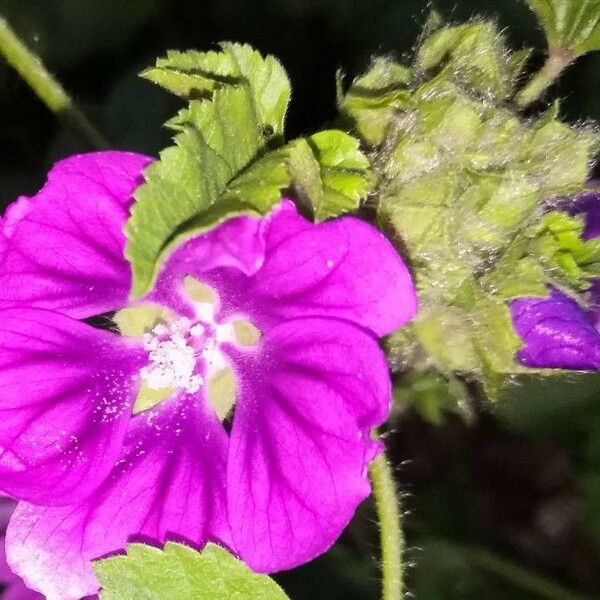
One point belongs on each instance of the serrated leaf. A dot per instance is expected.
(570, 24)
(375, 97)
(516, 273)
(218, 139)
(192, 74)
(559, 246)
(268, 81)
(473, 55)
(558, 155)
(495, 337)
(517, 61)
(183, 573)
(330, 172)
(260, 185)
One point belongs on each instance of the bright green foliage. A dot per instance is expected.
(559, 247)
(471, 177)
(465, 186)
(213, 174)
(373, 99)
(217, 139)
(570, 24)
(198, 74)
(474, 56)
(225, 160)
(330, 172)
(183, 573)
(260, 185)
(192, 74)
(470, 58)
(217, 167)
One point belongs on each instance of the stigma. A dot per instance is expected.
(172, 357)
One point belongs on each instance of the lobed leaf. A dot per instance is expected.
(195, 74)
(331, 172)
(217, 140)
(473, 55)
(570, 24)
(181, 572)
(558, 246)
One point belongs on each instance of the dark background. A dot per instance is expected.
(498, 509)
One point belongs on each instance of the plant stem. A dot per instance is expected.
(520, 577)
(389, 514)
(50, 91)
(558, 60)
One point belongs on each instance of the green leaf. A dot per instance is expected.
(330, 172)
(183, 573)
(525, 278)
(192, 74)
(559, 247)
(557, 156)
(217, 140)
(446, 334)
(570, 24)
(261, 184)
(432, 395)
(478, 339)
(421, 217)
(473, 55)
(516, 273)
(375, 97)
(198, 74)
(451, 122)
(496, 343)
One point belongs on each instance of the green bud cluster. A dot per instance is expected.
(469, 189)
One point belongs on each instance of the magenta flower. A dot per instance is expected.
(108, 438)
(14, 588)
(557, 331)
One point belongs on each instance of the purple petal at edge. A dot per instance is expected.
(15, 588)
(62, 249)
(18, 591)
(168, 484)
(344, 268)
(236, 246)
(301, 439)
(589, 206)
(66, 393)
(282, 267)
(556, 332)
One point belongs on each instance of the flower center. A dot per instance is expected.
(185, 355)
(172, 357)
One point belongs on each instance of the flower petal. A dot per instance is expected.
(343, 268)
(236, 246)
(557, 333)
(589, 206)
(6, 575)
(62, 249)
(66, 392)
(169, 484)
(18, 591)
(301, 439)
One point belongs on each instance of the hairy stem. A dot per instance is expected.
(558, 60)
(389, 514)
(50, 91)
